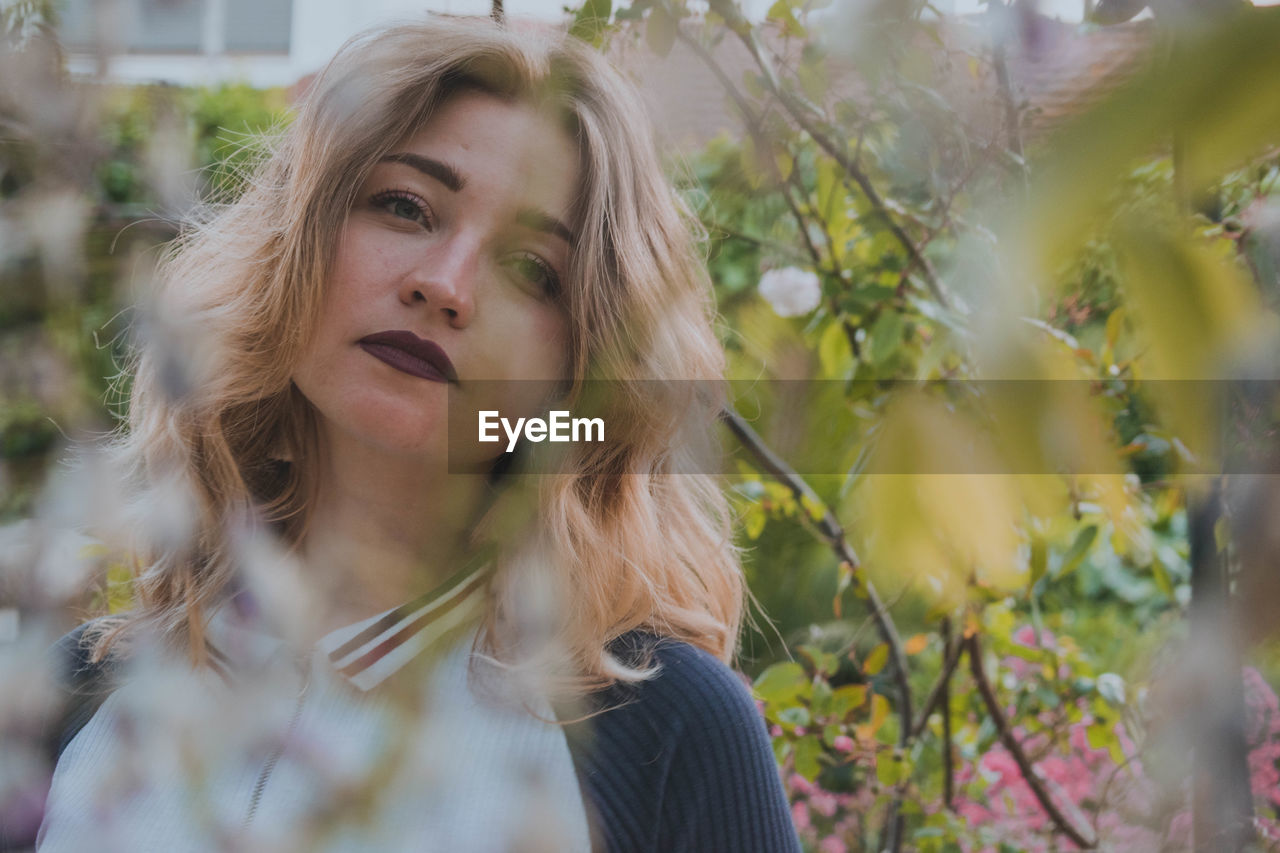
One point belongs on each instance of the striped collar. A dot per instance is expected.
(365, 653)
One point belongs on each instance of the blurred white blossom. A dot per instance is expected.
(790, 291)
(1111, 687)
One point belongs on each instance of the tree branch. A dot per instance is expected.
(803, 113)
(799, 114)
(948, 777)
(1033, 780)
(951, 659)
(833, 534)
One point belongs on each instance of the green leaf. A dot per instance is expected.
(753, 521)
(879, 713)
(1102, 736)
(1221, 533)
(876, 660)
(660, 30)
(885, 337)
(796, 715)
(785, 163)
(847, 699)
(807, 751)
(781, 684)
(592, 21)
(1039, 560)
(822, 662)
(1221, 122)
(1160, 574)
(812, 74)
(814, 508)
(834, 352)
(891, 768)
(750, 161)
(1079, 548)
(832, 206)
(1115, 325)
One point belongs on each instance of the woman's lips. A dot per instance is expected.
(410, 354)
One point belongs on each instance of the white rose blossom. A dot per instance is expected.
(790, 291)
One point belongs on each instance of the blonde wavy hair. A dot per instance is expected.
(635, 545)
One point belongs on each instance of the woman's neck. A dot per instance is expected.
(384, 529)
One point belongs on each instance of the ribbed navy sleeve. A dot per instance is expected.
(682, 762)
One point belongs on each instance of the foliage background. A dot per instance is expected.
(972, 661)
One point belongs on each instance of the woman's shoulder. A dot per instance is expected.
(682, 760)
(84, 682)
(692, 692)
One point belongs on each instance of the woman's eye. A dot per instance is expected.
(537, 272)
(403, 206)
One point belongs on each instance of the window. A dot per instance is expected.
(258, 26)
(177, 26)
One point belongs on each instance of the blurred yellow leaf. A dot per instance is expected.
(940, 507)
(1211, 92)
(876, 660)
(879, 713)
(916, 644)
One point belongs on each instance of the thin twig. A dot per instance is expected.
(945, 222)
(998, 13)
(1033, 780)
(948, 772)
(833, 534)
(760, 242)
(951, 659)
(803, 114)
(802, 227)
(831, 531)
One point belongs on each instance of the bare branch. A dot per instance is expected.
(833, 534)
(800, 113)
(807, 115)
(1033, 780)
(951, 659)
(948, 772)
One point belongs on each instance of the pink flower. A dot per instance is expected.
(1262, 710)
(832, 844)
(800, 815)
(801, 785)
(824, 803)
(843, 743)
(1026, 636)
(775, 731)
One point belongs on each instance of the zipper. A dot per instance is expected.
(269, 767)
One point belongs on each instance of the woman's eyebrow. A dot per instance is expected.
(544, 222)
(442, 172)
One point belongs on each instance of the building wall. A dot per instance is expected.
(189, 42)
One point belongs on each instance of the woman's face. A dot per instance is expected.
(447, 274)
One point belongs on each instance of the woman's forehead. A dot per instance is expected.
(476, 141)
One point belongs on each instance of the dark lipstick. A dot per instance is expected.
(411, 354)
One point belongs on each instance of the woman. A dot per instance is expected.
(459, 219)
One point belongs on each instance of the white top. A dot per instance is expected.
(268, 752)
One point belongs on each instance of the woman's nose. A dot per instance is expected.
(445, 280)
